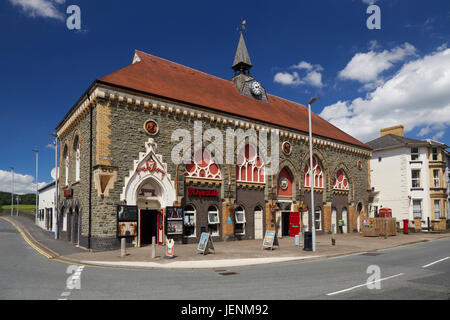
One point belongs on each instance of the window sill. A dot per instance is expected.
(415, 162)
(416, 189)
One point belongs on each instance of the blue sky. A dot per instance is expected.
(367, 79)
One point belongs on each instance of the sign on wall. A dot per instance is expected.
(127, 213)
(175, 220)
(127, 229)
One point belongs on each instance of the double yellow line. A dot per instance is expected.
(31, 241)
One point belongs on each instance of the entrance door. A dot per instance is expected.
(294, 224)
(285, 224)
(148, 226)
(259, 229)
(344, 217)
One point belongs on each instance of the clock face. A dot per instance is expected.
(256, 88)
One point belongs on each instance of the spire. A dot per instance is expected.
(242, 63)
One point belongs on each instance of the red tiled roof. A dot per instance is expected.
(157, 76)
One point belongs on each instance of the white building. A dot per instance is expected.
(409, 176)
(47, 214)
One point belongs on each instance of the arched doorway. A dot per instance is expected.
(345, 218)
(358, 217)
(75, 226)
(259, 225)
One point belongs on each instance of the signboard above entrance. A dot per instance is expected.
(194, 192)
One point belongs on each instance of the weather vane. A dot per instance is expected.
(241, 28)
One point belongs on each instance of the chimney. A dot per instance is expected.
(397, 130)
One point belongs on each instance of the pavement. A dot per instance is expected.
(227, 254)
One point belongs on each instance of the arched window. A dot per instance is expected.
(239, 216)
(66, 164)
(213, 221)
(317, 174)
(340, 181)
(250, 167)
(203, 167)
(189, 221)
(76, 148)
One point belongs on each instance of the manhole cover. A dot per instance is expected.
(371, 254)
(228, 274)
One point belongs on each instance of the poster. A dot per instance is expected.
(269, 239)
(127, 229)
(174, 213)
(174, 227)
(203, 242)
(127, 213)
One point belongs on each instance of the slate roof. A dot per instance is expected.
(391, 141)
(162, 78)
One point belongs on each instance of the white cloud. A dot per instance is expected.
(416, 96)
(41, 8)
(313, 76)
(23, 184)
(367, 67)
(288, 78)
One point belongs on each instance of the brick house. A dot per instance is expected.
(116, 146)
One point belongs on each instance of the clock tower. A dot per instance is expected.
(246, 84)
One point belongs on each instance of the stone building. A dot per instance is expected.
(118, 177)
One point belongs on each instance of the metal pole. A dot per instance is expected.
(55, 225)
(312, 213)
(37, 203)
(12, 192)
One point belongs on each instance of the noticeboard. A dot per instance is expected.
(127, 213)
(270, 240)
(205, 244)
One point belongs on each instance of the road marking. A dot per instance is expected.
(430, 264)
(364, 285)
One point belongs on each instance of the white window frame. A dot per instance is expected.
(437, 211)
(415, 179)
(421, 211)
(436, 180)
(207, 170)
(194, 213)
(320, 218)
(66, 164)
(77, 161)
(214, 223)
(251, 163)
(340, 185)
(243, 222)
(415, 154)
(433, 154)
(320, 176)
(64, 226)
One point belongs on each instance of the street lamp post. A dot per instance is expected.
(12, 192)
(17, 201)
(311, 177)
(37, 188)
(56, 184)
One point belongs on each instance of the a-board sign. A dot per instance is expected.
(270, 240)
(205, 244)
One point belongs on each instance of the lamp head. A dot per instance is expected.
(313, 100)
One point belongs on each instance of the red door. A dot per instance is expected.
(294, 224)
(161, 227)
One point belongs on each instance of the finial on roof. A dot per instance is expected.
(242, 63)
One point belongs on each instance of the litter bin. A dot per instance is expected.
(406, 226)
(308, 241)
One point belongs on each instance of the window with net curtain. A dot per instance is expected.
(417, 208)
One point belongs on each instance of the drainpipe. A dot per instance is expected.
(90, 175)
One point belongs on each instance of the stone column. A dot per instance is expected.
(327, 217)
(227, 229)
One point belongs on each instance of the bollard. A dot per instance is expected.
(123, 247)
(333, 240)
(153, 247)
